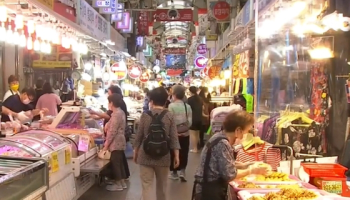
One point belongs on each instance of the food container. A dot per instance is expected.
(264, 186)
(246, 194)
(293, 180)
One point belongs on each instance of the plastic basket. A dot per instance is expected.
(324, 170)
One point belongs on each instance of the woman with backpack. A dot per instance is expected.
(156, 139)
(183, 119)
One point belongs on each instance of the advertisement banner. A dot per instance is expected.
(175, 61)
(214, 71)
(174, 51)
(125, 23)
(59, 57)
(142, 23)
(131, 26)
(120, 71)
(114, 8)
(247, 12)
(244, 65)
(101, 3)
(65, 11)
(202, 49)
(161, 15)
(92, 22)
(235, 66)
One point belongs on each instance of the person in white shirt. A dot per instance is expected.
(13, 87)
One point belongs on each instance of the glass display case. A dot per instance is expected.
(22, 178)
(292, 98)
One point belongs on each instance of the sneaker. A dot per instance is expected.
(124, 184)
(182, 176)
(194, 151)
(114, 187)
(174, 176)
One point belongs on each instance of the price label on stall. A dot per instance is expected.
(84, 142)
(335, 187)
(67, 158)
(54, 162)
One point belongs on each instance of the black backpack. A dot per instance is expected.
(157, 142)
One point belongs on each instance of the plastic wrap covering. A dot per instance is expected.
(292, 96)
(22, 178)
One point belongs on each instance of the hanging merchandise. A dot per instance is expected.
(134, 71)
(144, 78)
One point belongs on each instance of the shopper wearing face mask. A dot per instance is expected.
(217, 165)
(13, 87)
(19, 103)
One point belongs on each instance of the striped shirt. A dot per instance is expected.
(179, 112)
(273, 156)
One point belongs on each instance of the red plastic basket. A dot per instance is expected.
(324, 170)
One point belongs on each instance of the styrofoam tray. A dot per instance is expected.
(246, 194)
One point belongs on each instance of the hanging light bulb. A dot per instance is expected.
(42, 46)
(2, 32)
(22, 40)
(48, 48)
(19, 21)
(36, 45)
(30, 27)
(3, 11)
(15, 37)
(38, 31)
(30, 43)
(9, 35)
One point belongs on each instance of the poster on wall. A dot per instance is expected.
(244, 65)
(59, 57)
(175, 61)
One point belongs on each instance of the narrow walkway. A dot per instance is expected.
(176, 189)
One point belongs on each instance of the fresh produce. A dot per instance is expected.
(273, 176)
(287, 194)
(250, 185)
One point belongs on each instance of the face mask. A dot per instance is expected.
(14, 87)
(26, 101)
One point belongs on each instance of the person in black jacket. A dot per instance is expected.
(197, 110)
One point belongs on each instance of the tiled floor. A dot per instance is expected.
(176, 189)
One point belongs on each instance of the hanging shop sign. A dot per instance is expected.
(174, 51)
(92, 22)
(221, 11)
(59, 57)
(142, 23)
(210, 37)
(125, 23)
(202, 49)
(214, 71)
(119, 70)
(244, 65)
(111, 9)
(174, 72)
(117, 17)
(148, 52)
(161, 15)
(134, 71)
(200, 62)
(144, 77)
(131, 26)
(247, 12)
(101, 3)
(65, 11)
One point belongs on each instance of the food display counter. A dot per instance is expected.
(23, 178)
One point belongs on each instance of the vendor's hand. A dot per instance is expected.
(258, 169)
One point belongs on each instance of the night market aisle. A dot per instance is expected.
(176, 189)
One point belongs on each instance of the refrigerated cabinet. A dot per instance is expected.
(23, 178)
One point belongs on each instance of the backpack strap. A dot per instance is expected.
(156, 116)
(210, 146)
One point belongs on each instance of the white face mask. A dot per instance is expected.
(26, 101)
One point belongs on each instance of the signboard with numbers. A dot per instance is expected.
(113, 9)
(125, 23)
(221, 11)
(117, 17)
(101, 3)
(92, 22)
(334, 187)
(142, 24)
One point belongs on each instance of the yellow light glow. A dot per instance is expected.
(321, 53)
(36, 45)
(19, 21)
(3, 13)
(30, 43)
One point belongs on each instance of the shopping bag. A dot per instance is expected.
(105, 155)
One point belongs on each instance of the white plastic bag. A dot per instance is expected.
(105, 155)
(24, 117)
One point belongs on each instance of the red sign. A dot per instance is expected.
(65, 11)
(144, 77)
(134, 71)
(142, 23)
(162, 15)
(203, 73)
(202, 49)
(174, 72)
(200, 61)
(214, 71)
(119, 70)
(175, 51)
(221, 10)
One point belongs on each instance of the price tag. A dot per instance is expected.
(54, 162)
(84, 142)
(67, 158)
(335, 187)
